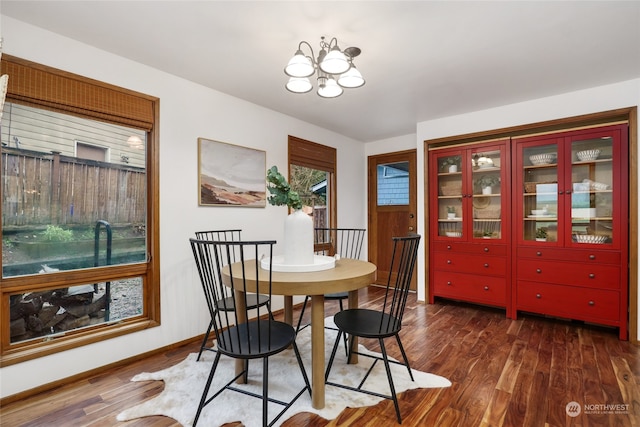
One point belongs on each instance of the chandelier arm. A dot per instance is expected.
(332, 40)
(312, 57)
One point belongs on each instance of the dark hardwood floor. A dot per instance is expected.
(504, 373)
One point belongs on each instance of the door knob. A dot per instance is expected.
(410, 215)
(410, 228)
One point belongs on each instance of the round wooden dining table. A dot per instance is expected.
(348, 275)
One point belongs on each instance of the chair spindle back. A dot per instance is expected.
(403, 260)
(347, 242)
(211, 258)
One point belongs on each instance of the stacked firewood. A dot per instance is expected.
(36, 314)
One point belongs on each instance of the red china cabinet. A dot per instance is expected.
(535, 224)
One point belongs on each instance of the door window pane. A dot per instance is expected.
(540, 197)
(393, 184)
(592, 196)
(487, 194)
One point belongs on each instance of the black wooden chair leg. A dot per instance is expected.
(203, 399)
(204, 341)
(404, 356)
(390, 378)
(304, 306)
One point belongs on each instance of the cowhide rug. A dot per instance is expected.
(185, 381)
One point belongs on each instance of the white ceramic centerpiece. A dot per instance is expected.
(298, 239)
(298, 230)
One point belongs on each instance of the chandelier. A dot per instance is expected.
(335, 69)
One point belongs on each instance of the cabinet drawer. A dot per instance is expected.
(466, 263)
(599, 257)
(566, 273)
(567, 301)
(470, 287)
(470, 248)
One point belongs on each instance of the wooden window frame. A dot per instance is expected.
(49, 88)
(320, 157)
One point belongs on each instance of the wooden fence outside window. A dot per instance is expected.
(40, 189)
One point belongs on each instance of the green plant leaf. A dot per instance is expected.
(280, 190)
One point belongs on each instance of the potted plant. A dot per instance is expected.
(451, 212)
(486, 182)
(541, 234)
(451, 164)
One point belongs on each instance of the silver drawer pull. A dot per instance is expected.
(592, 303)
(448, 283)
(592, 276)
(592, 257)
(486, 249)
(448, 247)
(538, 296)
(486, 288)
(538, 253)
(486, 265)
(538, 270)
(448, 261)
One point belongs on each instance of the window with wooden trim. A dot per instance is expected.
(79, 211)
(312, 172)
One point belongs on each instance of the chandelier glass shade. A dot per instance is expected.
(334, 68)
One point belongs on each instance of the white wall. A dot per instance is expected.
(187, 111)
(603, 98)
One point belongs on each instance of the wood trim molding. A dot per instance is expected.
(94, 372)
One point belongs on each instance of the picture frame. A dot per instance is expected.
(231, 175)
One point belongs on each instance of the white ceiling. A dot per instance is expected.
(422, 59)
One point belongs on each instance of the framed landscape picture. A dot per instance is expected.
(231, 175)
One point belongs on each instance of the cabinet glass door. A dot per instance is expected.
(592, 180)
(487, 193)
(540, 208)
(449, 209)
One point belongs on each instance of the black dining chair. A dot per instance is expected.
(385, 323)
(238, 335)
(227, 302)
(347, 243)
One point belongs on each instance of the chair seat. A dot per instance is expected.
(260, 339)
(253, 301)
(337, 295)
(366, 323)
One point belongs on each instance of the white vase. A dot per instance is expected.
(453, 168)
(298, 239)
(486, 190)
